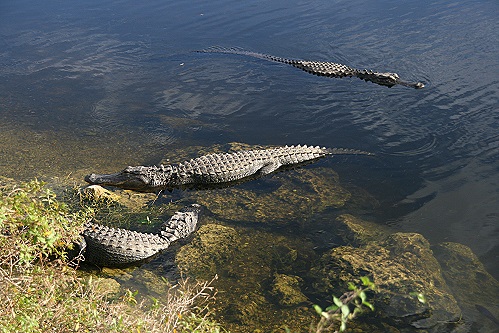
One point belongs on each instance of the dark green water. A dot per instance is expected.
(97, 85)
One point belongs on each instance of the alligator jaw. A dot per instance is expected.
(415, 85)
(120, 179)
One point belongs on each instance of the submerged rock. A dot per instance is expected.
(400, 265)
(256, 289)
(211, 247)
(286, 290)
(106, 287)
(248, 309)
(356, 232)
(296, 195)
(474, 288)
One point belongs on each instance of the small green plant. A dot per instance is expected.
(344, 308)
(34, 224)
(420, 296)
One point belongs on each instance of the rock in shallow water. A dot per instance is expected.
(296, 196)
(286, 290)
(400, 265)
(474, 288)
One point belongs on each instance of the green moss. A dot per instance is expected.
(213, 245)
(286, 290)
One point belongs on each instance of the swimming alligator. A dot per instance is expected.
(322, 68)
(215, 169)
(104, 246)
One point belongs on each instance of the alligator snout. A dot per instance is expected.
(91, 178)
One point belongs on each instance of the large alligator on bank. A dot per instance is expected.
(215, 169)
(323, 68)
(105, 246)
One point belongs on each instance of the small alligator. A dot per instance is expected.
(322, 68)
(221, 169)
(105, 246)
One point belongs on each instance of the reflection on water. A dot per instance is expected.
(102, 84)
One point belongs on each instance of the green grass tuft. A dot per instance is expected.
(39, 292)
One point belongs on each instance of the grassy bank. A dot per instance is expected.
(38, 294)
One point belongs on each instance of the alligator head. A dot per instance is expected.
(387, 79)
(139, 178)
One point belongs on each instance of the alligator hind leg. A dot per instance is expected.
(269, 168)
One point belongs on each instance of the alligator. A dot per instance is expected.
(114, 247)
(322, 68)
(215, 169)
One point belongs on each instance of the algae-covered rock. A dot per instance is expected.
(248, 309)
(241, 255)
(148, 283)
(249, 264)
(106, 286)
(474, 288)
(400, 265)
(296, 195)
(97, 194)
(286, 290)
(356, 232)
(252, 312)
(213, 244)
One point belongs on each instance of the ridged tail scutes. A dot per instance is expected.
(330, 151)
(181, 224)
(347, 151)
(241, 51)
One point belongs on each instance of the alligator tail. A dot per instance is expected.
(241, 51)
(346, 151)
(181, 224)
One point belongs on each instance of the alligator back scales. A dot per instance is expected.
(323, 68)
(105, 246)
(214, 168)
